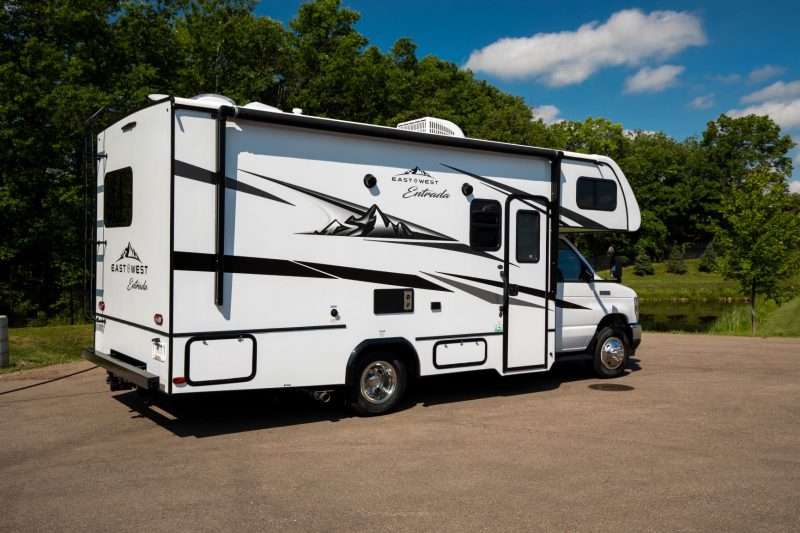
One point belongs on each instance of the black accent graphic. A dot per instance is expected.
(459, 247)
(196, 173)
(200, 262)
(522, 288)
(373, 223)
(507, 189)
(377, 276)
(238, 264)
(361, 223)
(483, 294)
(128, 253)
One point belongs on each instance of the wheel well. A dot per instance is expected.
(613, 320)
(397, 346)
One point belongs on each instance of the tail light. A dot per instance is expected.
(179, 380)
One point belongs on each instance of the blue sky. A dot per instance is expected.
(668, 66)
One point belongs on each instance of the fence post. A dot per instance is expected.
(4, 359)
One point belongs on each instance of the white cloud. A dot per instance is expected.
(548, 114)
(653, 80)
(702, 102)
(785, 114)
(764, 73)
(777, 91)
(794, 186)
(628, 37)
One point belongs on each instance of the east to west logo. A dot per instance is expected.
(129, 262)
(419, 178)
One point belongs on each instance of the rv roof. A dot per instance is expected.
(344, 126)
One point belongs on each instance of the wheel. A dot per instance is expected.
(379, 383)
(610, 353)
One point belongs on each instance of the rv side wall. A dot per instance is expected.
(308, 244)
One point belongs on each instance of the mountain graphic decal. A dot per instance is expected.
(416, 171)
(128, 253)
(373, 223)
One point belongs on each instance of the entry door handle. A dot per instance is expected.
(513, 290)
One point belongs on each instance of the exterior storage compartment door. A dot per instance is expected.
(213, 360)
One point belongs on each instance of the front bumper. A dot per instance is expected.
(124, 371)
(636, 335)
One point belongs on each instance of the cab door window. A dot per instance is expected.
(570, 266)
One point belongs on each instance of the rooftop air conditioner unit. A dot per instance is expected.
(437, 126)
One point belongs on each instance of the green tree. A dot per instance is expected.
(759, 236)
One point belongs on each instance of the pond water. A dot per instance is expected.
(683, 316)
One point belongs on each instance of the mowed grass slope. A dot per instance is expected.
(34, 347)
(694, 285)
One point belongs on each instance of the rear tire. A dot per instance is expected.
(610, 353)
(379, 382)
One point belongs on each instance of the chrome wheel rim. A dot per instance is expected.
(378, 382)
(612, 353)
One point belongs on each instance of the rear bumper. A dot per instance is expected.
(131, 374)
(636, 335)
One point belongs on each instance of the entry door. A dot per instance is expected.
(525, 315)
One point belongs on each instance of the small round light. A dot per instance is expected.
(101, 305)
(158, 319)
(179, 380)
(370, 181)
(466, 189)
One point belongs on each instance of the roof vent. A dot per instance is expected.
(259, 106)
(214, 99)
(437, 126)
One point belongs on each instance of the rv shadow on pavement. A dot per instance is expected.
(213, 414)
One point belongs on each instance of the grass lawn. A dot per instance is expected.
(32, 347)
(694, 285)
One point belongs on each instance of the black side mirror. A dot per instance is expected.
(586, 275)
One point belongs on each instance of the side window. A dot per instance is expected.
(485, 224)
(596, 194)
(118, 198)
(570, 265)
(527, 236)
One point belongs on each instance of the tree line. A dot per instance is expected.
(62, 60)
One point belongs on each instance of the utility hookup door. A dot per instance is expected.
(525, 312)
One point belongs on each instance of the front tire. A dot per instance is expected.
(610, 353)
(379, 383)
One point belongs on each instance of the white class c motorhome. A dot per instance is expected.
(248, 248)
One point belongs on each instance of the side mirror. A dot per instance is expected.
(586, 275)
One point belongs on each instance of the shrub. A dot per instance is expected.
(708, 262)
(676, 263)
(643, 265)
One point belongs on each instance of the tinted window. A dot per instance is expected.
(570, 265)
(484, 224)
(118, 198)
(527, 237)
(596, 194)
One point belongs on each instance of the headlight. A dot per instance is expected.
(636, 307)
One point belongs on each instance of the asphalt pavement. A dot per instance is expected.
(703, 434)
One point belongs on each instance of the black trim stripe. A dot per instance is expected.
(260, 331)
(458, 336)
(189, 171)
(483, 294)
(580, 219)
(450, 246)
(199, 262)
(377, 276)
(522, 288)
(133, 324)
